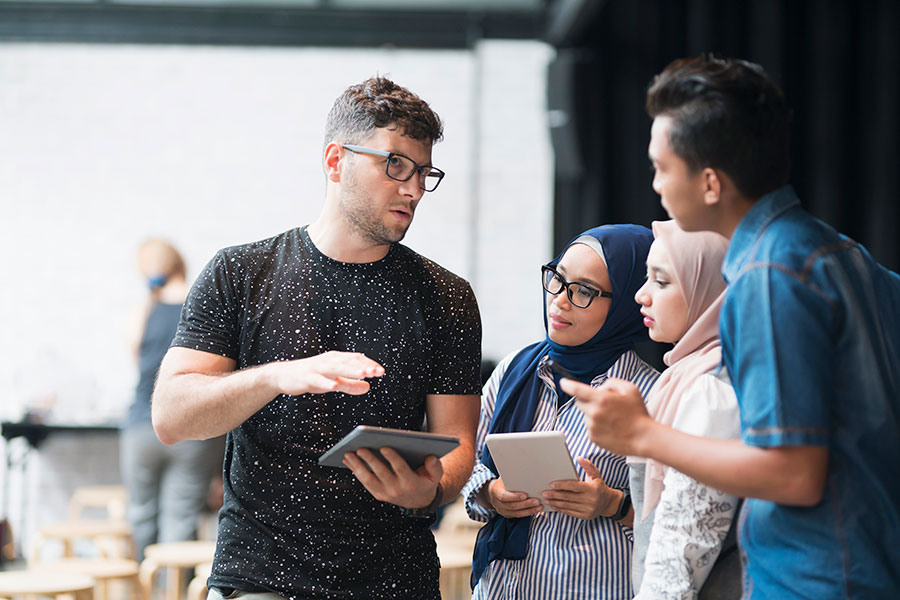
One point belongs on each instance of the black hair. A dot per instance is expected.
(726, 114)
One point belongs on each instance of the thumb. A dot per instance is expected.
(592, 471)
(434, 468)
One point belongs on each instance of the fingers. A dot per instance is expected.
(387, 476)
(354, 387)
(589, 468)
(348, 365)
(515, 510)
(576, 388)
(329, 372)
(512, 505)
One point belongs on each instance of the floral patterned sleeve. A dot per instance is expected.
(691, 519)
(690, 525)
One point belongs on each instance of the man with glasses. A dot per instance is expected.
(289, 343)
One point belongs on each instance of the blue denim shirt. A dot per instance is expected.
(811, 335)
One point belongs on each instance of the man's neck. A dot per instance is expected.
(735, 208)
(337, 240)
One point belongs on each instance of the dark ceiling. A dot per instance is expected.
(340, 23)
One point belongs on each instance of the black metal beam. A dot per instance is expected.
(569, 20)
(270, 26)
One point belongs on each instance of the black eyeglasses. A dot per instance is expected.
(401, 168)
(580, 294)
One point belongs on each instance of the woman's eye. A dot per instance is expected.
(661, 283)
(585, 291)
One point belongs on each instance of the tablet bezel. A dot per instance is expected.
(413, 446)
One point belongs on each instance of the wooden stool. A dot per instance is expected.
(103, 570)
(197, 587)
(111, 498)
(177, 556)
(116, 534)
(40, 582)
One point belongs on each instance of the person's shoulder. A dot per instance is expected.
(709, 407)
(632, 367)
(795, 237)
(262, 247)
(428, 269)
(259, 254)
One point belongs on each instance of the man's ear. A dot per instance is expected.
(332, 161)
(712, 187)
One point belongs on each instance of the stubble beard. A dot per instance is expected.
(365, 219)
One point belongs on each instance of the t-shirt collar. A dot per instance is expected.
(751, 227)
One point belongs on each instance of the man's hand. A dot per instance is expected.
(393, 481)
(583, 499)
(614, 414)
(511, 505)
(329, 372)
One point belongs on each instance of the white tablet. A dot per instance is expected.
(413, 446)
(530, 460)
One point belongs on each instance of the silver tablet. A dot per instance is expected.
(413, 446)
(530, 460)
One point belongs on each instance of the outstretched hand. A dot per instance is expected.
(329, 372)
(614, 414)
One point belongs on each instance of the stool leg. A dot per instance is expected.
(137, 590)
(148, 569)
(175, 583)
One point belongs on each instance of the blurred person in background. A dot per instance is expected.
(167, 485)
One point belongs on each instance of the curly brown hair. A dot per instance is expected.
(379, 102)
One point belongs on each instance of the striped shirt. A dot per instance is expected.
(567, 558)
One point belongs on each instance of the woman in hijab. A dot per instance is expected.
(583, 549)
(680, 525)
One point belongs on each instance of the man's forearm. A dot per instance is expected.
(457, 469)
(194, 406)
(786, 475)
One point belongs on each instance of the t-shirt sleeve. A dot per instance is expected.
(456, 363)
(209, 317)
(780, 357)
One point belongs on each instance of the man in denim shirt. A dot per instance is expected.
(810, 336)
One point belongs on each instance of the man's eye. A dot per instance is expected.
(394, 160)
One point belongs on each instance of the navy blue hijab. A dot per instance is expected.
(625, 248)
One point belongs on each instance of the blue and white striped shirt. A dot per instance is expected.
(568, 558)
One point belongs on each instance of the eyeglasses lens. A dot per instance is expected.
(552, 282)
(402, 168)
(581, 297)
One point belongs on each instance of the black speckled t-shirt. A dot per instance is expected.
(288, 525)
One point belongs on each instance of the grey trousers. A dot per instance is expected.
(167, 485)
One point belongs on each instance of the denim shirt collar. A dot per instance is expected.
(752, 226)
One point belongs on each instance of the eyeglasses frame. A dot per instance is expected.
(566, 286)
(387, 164)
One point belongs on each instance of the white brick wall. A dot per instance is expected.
(104, 145)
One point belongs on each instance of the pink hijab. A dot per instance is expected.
(696, 259)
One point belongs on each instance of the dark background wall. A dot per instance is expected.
(838, 62)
